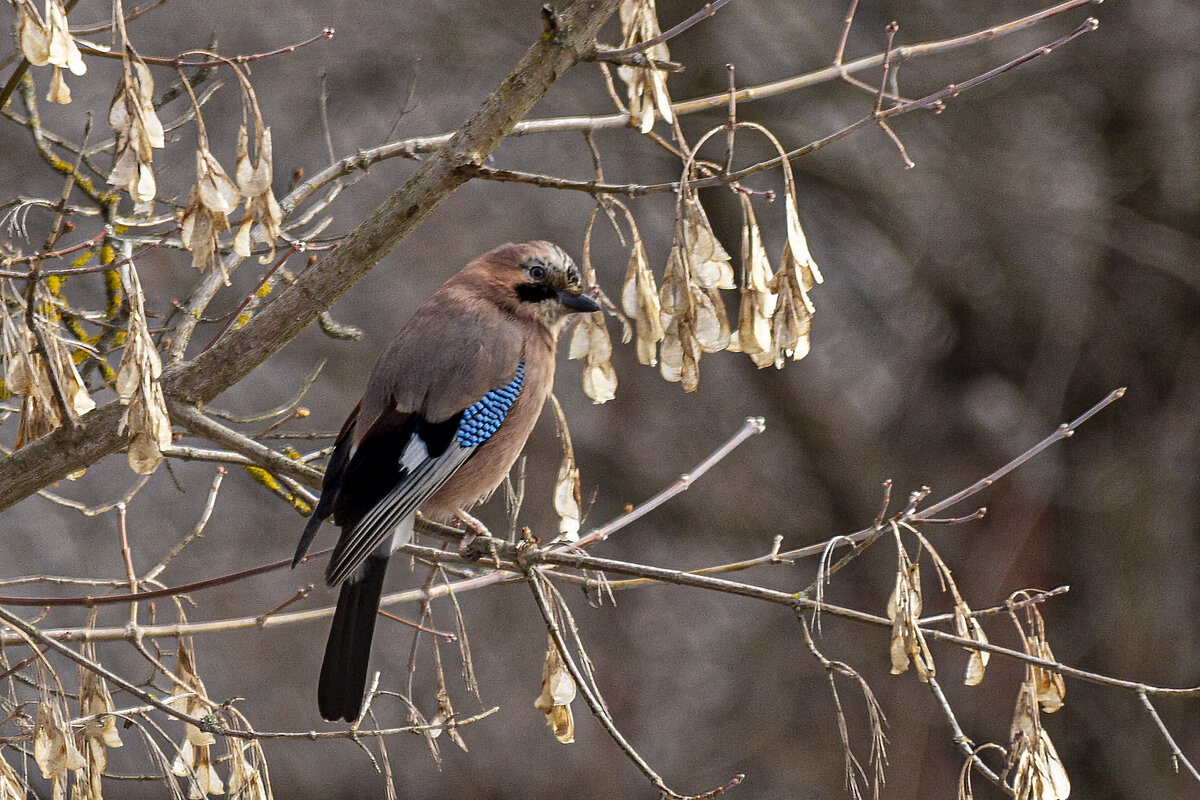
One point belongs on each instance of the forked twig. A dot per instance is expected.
(1176, 754)
(534, 578)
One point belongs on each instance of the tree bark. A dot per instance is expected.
(567, 37)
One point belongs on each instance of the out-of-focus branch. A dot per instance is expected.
(414, 147)
(877, 117)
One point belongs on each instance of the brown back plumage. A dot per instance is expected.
(485, 339)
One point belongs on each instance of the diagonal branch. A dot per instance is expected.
(568, 34)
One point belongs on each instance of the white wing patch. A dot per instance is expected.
(384, 525)
(415, 454)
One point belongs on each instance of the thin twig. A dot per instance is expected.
(751, 426)
(194, 420)
(32, 632)
(93, 511)
(150, 594)
(197, 530)
(181, 60)
(282, 408)
(323, 105)
(964, 744)
(1176, 754)
(708, 10)
(594, 703)
(413, 147)
(841, 48)
(297, 247)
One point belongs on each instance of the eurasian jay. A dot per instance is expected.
(447, 410)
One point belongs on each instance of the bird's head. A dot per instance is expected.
(536, 280)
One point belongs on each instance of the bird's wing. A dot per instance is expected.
(329, 485)
(408, 458)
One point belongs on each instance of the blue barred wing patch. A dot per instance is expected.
(482, 418)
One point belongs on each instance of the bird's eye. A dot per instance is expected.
(537, 273)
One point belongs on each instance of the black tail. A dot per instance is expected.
(344, 672)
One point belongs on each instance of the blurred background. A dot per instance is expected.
(1042, 252)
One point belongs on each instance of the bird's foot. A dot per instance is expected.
(474, 528)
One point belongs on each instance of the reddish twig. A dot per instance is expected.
(133, 597)
(296, 247)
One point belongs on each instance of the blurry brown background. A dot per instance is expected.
(1042, 253)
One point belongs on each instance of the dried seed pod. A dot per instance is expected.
(968, 627)
(49, 41)
(708, 261)
(245, 781)
(132, 117)
(904, 610)
(753, 335)
(138, 386)
(647, 87)
(567, 492)
(1037, 771)
(558, 690)
(28, 373)
(639, 299)
(590, 341)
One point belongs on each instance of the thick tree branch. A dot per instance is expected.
(570, 34)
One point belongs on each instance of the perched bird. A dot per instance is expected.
(448, 408)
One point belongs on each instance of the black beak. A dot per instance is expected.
(578, 302)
